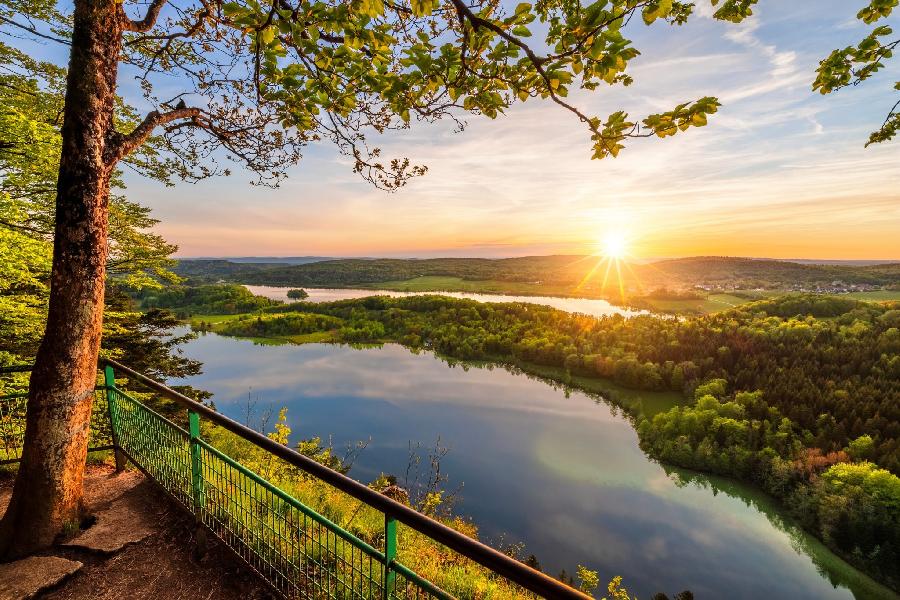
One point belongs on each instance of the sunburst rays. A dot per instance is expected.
(612, 260)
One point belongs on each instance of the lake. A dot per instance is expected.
(560, 473)
(587, 306)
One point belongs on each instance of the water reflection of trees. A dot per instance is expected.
(827, 564)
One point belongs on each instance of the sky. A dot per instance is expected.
(779, 172)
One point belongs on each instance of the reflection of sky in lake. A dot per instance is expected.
(586, 306)
(560, 474)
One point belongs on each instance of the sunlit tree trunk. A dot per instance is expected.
(48, 489)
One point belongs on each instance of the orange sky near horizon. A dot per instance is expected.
(850, 229)
(779, 172)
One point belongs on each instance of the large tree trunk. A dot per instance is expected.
(47, 496)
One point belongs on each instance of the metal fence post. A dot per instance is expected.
(109, 380)
(197, 481)
(196, 463)
(390, 555)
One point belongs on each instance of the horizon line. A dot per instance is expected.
(457, 257)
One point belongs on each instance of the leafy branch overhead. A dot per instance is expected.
(263, 79)
(852, 65)
(342, 67)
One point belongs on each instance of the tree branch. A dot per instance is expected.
(148, 21)
(34, 31)
(536, 61)
(170, 37)
(21, 227)
(123, 145)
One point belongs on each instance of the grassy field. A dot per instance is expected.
(711, 304)
(878, 296)
(317, 337)
(214, 323)
(457, 284)
(215, 319)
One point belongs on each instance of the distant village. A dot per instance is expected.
(835, 287)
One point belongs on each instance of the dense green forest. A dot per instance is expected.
(799, 395)
(676, 274)
(223, 299)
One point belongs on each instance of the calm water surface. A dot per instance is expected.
(562, 474)
(587, 306)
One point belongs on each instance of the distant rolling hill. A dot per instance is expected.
(557, 272)
(846, 263)
(273, 260)
(748, 273)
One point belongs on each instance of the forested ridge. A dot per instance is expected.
(742, 273)
(799, 395)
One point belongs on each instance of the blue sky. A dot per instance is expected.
(780, 171)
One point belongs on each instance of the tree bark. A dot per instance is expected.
(47, 496)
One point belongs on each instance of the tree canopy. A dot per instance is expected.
(852, 65)
(262, 80)
(31, 97)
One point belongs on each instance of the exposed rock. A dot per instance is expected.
(123, 522)
(103, 485)
(25, 578)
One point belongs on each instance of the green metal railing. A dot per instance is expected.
(298, 551)
(12, 418)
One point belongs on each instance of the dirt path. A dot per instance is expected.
(139, 546)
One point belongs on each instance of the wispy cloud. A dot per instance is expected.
(776, 158)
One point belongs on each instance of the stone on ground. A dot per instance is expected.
(161, 565)
(26, 578)
(102, 485)
(123, 522)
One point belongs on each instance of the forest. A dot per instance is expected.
(676, 274)
(799, 395)
(226, 299)
(812, 355)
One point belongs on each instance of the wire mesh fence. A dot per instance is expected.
(159, 447)
(13, 403)
(299, 552)
(12, 426)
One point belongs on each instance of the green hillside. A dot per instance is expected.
(561, 274)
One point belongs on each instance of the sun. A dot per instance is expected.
(614, 245)
(611, 266)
